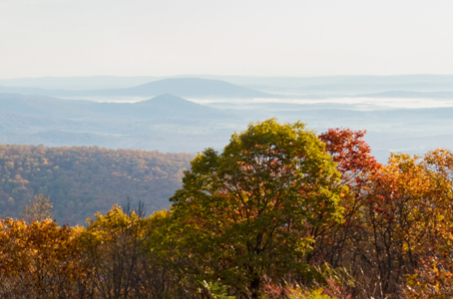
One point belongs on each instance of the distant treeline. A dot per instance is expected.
(83, 180)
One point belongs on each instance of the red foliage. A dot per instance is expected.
(352, 154)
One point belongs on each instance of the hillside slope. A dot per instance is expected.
(165, 105)
(182, 87)
(83, 180)
(188, 87)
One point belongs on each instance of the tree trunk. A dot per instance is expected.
(255, 288)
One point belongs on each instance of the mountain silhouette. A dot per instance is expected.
(163, 106)
(170, 102)
(184, 87)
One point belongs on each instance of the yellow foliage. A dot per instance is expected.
(44, 257)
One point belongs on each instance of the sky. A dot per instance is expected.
(40, 38)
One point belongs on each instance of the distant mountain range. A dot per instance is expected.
(165, 123)
(171, 123)
(164, 106)
(183, 87)
(108, 82)
(327, 86)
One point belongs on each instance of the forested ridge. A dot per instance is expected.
(281, 212)
(83, 180)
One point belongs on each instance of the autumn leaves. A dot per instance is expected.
(397, 221)
(280, 212)
(39, 260)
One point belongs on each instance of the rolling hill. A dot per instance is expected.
(183, 87)
(163, 106)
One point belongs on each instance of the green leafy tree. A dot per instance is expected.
(252, 210)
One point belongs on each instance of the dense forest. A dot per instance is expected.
(280, 213)
(83, 180)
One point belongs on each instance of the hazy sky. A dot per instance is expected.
(232, 37)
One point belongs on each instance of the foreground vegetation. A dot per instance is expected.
(280, 213)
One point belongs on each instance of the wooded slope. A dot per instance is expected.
(83, 180)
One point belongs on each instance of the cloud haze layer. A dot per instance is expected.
(261, 38)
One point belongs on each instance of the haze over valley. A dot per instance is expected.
(188, 114)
